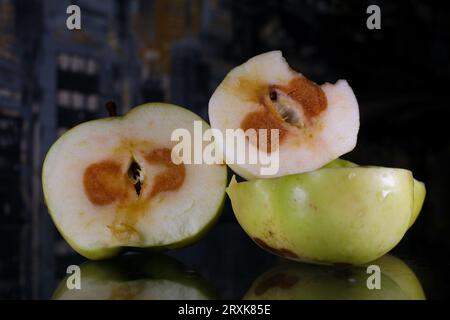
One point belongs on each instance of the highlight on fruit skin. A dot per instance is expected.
(342, 213)
(136, 277)
(298, 281)
(316, 124)
(111, 183)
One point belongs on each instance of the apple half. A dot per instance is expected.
(111, 183)
(137, 277)
(297, 281)
(340, 214)
(316, 124)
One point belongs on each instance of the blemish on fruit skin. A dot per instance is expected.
(172, 177)
(126, 291)
(278, 251)
(281, 280)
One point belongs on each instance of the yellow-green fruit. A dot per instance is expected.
(136, 277)
(337, 214)
(419, 187)
(419, 198)
(297, 281)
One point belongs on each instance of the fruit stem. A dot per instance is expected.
(112, 108)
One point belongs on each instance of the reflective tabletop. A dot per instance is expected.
(225, 264)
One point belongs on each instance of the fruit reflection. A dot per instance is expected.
(298, 281)
(137, 277)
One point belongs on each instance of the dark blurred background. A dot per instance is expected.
(178, 51)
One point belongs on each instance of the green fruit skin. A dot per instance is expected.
(419, 187)
(340, 163)
(332, 215)
(137, 268)
(297, 281)
(106, 253)
(419, 198)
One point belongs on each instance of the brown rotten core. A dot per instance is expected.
(105, 183)
(308, 97)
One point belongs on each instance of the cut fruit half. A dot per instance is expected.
(111, 183)
(342, 213)
(316, 124)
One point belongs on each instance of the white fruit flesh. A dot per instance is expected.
(310, 138)
(144, 220)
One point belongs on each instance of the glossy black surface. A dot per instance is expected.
(228, 262)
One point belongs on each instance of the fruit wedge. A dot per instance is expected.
(136, 277)
(297, 281)
(113, 183)
(333, 215)
(316, 124)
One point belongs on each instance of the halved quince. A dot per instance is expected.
(112, 183)
(316, 124)
(341, 213)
